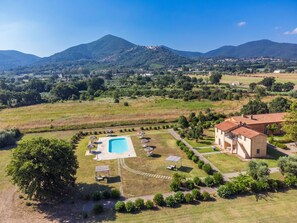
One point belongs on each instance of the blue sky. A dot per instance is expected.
(44, 27)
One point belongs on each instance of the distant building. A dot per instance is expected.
(279, 71)
(246, 135)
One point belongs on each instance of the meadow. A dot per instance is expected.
(103, 112)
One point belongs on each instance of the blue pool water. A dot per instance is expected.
(118, 145)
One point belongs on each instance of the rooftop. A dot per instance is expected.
(244, 131)
(258, 119)
(226, 125)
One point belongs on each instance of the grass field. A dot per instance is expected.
(276, 207)
(73, 113)
(246, 79)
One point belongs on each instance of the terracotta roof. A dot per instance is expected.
(259, 119)
(226, 125)
(244, 131)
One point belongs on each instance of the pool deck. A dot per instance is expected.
(103, 149)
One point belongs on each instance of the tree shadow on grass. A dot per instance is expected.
(154, 155)
(70, 208)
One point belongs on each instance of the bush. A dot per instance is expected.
(195, 159)
(188, 198)
(28, 203)
(175, 185)
(207, 168)
(218, 178)
(179, 197)
(139, 204)
(190, 184)
(106, 194)
(170, 201)
(197, 181)
(149, 204)
(159, 199)
(209, 181)
(130, 206)
(196, 194)
(291, 181)
(115, 193)
(98, 209)
(126, 103)
(225, 191)
(190, 154)
(120, 206)
(96, 196)
(200, 164)
(205, 196)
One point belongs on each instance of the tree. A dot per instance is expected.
(43, 168)
(260, 91)
(290, 124)
(279, 104)
(170, 201)
(258, 170)
(267, 81)
(95, 84)
(252, 86)
(119, 206)
(64, 91)
(215, 78)
(183, 122)
(288, 86)
(159, 199)
(272, 128)
(277, 87)
(254, 107)
(139, 203)
(187, 86)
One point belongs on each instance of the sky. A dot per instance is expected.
(45, 27)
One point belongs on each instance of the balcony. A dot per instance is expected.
(231, 139)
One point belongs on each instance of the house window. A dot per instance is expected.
(258, 151)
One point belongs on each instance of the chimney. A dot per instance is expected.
(252, 117)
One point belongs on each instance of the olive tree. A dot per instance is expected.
(43, 168)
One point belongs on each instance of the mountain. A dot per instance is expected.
(113, 50)
(11, 59)
(260, 48)
(189, 54)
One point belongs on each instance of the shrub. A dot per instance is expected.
(196, 194)
(209, 181)
(149, 204)
(225, 191)
(175, 185)
(139, 204)
(205, 196)
(207, 168)
(28, 203)
(195, 158)
(190, 184)
(179, 197)
(106, 194)
(130, 206)
(159, 199)
(120, 206)
(200, 164)
(96, 196)
(115, 193)
(190, 154)
(170, 201)
(98, 209)
(291, 181)
(218, 178)
(197, 181)
(188, 198)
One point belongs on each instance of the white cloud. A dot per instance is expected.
(241, 24)
(293, 32)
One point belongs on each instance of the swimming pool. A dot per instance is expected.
(118, 145)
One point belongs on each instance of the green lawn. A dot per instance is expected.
(207, 150)
(276, 207)
(227, 163)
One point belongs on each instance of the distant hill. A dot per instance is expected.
(260, 48)
(189, 54)
(113, 50)
(11, 59)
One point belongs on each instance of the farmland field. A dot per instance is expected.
(74, 113)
